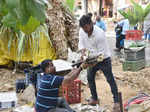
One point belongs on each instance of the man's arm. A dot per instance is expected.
(81, 41)
(71, 76)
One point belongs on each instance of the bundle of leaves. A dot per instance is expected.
(135, 14)
(22, 20)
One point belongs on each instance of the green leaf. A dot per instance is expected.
(147, 10)
(30, 26)
(22, 12)
(21, 46)
(70, 4)
(138, 10)
(11, 4)
(10, 20)
(3, 8)
(136, 14)
(36, 9)
(124, 14)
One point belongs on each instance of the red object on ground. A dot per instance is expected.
(72, 92)
(135, 101)
(134, 35)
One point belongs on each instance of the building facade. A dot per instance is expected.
(106, 8)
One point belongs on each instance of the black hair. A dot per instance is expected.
(90, 14)
(85, 19)
(45, 64)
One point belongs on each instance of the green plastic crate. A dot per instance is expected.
(133, 65)
(134, 56)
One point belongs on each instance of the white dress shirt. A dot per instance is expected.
(96, 44)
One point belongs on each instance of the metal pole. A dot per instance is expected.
(100, 7)
(85, 6)
(120, 101)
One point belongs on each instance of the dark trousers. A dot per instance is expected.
(62, 106)
(106, 68)
(118, 40)
(62, 103)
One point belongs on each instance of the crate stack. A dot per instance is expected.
(134, 55)
(72, 92)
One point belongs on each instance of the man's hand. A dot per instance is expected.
(71, 76)
(84, 54)
(84, 66)
(100, 58)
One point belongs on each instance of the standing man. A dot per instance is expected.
(147, 28)
(92, 38)
(124, 24)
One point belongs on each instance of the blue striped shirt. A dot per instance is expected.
(48, 92)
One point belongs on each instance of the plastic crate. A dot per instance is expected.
(134, 35)
(7, 100)
(133, 65)
(72, 93)
(134, 55)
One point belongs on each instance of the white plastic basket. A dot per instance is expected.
(8, 100)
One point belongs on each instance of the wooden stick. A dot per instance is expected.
(120, 101)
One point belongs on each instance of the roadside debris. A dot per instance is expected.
(8, 100)
(88, 108)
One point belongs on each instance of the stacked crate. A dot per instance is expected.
(134, 58)
(72, 92)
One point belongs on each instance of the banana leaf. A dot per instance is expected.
(30, 26)
(124, 14)
(3, 9)
(23, 18)
(11, 4)
(138, 11)
(36, 9)
(21, 44)
(147, 10)
(16, 12)
(10, 20)
(136, 14)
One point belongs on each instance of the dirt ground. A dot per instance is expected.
(129, 83)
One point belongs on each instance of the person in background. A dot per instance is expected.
(47, 99)
(118, 31)
(92, 38)
(90, 14)
(105, 12)
(110, 12)
(100, 23)
(124, 24)
(115, 15)
(147, 28)
(94, 18)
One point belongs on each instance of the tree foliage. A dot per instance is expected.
(135, 14)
